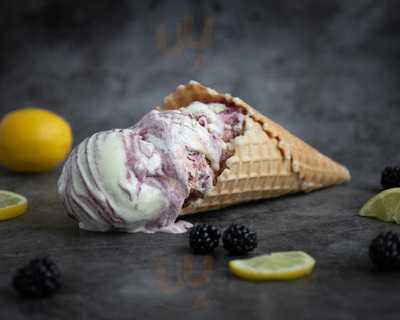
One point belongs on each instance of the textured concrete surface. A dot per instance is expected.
(326, 70)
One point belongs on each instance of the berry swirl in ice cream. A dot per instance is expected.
(138, 179)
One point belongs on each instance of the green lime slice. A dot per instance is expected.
(384, 206)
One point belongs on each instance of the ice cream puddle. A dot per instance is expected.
(140, 178)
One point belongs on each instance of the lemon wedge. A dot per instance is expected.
(275, 266)
(384, 206)
(11, 205)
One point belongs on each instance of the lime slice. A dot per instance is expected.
(384, 206)
(275, 266)
(11, 205)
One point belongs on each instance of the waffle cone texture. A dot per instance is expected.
(268, 160)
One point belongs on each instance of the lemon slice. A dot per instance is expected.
(384, 206)
(275, 266)
(11, 205)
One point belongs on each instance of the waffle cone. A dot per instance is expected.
(268, 160)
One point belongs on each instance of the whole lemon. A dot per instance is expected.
(33, 140)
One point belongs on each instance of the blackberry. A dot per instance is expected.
(390, 177)
(204, 238)
(238, 239)
(384, 251)
(39, 278)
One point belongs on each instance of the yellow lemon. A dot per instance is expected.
(275, 266)
(33, 140)
(11, 205)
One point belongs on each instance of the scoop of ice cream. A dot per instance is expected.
(138, 179)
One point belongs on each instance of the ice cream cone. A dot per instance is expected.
(268, 160)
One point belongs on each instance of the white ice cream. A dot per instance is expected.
(137, 179)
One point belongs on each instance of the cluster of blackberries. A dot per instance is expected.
(39, 278)
(384, 251)
(236, 239)
(390, 177)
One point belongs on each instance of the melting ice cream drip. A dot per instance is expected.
(138, 179)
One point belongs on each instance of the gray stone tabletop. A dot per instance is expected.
(326, 70)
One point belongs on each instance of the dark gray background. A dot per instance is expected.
(326, 70)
